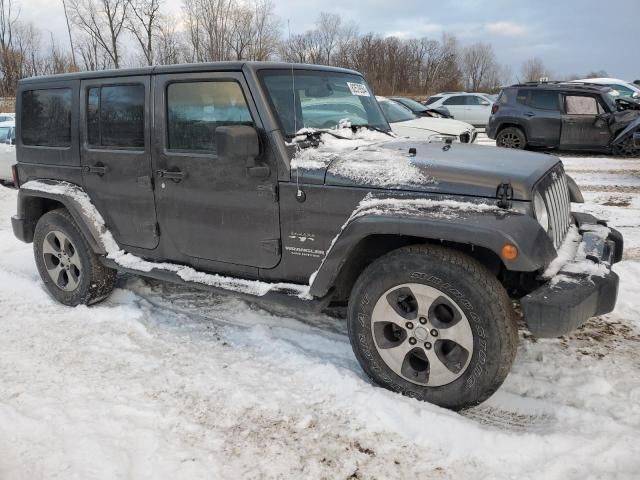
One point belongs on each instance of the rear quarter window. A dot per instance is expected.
(46, 117)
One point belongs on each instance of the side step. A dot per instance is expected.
(270, 299)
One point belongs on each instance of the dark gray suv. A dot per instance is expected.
(565, 116)
(210, 175)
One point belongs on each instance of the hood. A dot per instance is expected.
(462, 169)
(446, 126)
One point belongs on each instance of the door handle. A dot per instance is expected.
(175, 175)
(530, 114)
(98, 169)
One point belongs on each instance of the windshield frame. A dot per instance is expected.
(264, 74)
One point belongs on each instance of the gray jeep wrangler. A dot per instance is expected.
(282, 183)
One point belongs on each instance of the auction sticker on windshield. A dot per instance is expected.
(358, 89)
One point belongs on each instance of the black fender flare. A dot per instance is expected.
(480, 229)
(29, 211)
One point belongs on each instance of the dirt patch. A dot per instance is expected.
(611, 188)
(617, 202)
(631, 254)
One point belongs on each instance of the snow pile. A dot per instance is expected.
(360, 156)
(128, 260)
(572, 257)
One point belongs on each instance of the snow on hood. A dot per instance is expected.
(359, 156)
(444, 126)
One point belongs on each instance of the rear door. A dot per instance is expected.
(477, 109)
(115, 150)
(456, 106)
(543, 116)
(208, 207)
(581, 127)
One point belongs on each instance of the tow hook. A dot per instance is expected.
(504, 194)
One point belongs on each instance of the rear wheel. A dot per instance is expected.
(68, 267)
(433, 324)
(511, 137)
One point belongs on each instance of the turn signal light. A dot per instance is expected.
(509, 252)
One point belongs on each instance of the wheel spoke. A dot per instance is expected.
(73, 278)
(395, 356)
(459, 333)
(49, 247)
(439, 373)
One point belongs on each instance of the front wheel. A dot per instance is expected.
(433, 324)
(511, 137)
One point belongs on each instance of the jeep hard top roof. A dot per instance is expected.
(183, 68)
(580, 87)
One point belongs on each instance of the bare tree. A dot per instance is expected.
(170, 47)
(329, 29)
(66, 17)
(479, 66)
(143, 23)
(103, 22)
(533, 70)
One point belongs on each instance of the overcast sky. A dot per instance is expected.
(571, 36)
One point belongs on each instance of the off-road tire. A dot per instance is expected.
(511, 137)
(475, 291)
(94, 283)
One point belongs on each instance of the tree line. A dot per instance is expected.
(105, 34)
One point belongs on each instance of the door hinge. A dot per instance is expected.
(504, 194)
(272, 246)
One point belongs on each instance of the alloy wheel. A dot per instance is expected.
(510, 140)
(422, 334)
(61, 260)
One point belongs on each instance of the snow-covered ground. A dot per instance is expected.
(162, 381)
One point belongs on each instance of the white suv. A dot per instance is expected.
(473, 108)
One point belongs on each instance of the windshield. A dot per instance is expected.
(394, 112)
(321, 100)
(412, 104)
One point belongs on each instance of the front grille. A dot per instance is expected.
(555, 191)
(465, 137)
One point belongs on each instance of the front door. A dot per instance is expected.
(581, 127)
(208, 207)
(115, 150)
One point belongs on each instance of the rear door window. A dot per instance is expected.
(115, 116)
(46, 117)
(457, 100)
(474, 100)
(544, 100)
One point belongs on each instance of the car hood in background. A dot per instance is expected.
(443, 126)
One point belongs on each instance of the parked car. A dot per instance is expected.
(7, 150)
(568, 116)
(207, 176)
(421, 110)
(473, 108)
(624, 89)
(407, 124)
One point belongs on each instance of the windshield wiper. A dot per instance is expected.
(374, 128)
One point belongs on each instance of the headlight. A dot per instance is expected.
(442, 138)
(540, 209)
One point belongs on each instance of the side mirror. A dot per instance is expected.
(240, 142)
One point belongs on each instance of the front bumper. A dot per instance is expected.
(572, 296)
